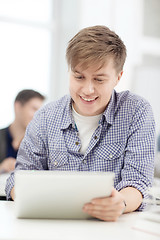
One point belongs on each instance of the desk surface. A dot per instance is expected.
(28, 229)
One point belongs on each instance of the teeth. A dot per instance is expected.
(88, 100)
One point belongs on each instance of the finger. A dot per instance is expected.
(100, 207)
(110, 216)
(107, 218)
(117, 208)
(106, 201)
(112, 199)
(101, 213)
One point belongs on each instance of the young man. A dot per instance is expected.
(95, 128)
(25, 104)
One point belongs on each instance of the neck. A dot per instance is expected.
(17, 132)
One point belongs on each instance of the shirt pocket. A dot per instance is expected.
(58, 161)
(109, 157)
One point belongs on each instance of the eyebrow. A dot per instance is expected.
(99, 74)
(75, 71)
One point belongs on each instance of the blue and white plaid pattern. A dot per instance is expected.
(124, 142)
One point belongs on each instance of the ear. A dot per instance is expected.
(119, 77)
(17, 106)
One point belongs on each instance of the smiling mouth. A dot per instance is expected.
(88, 99)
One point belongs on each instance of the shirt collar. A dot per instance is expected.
(110, 109)
(108, 114)
(67, 119)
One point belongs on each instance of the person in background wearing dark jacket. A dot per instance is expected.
(26, 103)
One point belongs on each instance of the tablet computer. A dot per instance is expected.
(58, 194)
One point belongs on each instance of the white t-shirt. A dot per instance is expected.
(86, 127)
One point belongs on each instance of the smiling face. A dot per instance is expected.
(91, 89)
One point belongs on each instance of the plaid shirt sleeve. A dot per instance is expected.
(138, 170)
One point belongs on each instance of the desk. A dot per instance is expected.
(43, 229)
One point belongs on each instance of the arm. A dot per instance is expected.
(8, 164)
(132, 197)
(137, 172)
(31, 154)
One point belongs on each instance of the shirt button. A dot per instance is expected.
(111, 156)
(95, 137)
(85, 161)
(76, 143)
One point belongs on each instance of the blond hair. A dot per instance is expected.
(95, 46)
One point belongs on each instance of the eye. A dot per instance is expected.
(79, 77)
(98, 80)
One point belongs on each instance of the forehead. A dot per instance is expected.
(97, 67)
(95, 64)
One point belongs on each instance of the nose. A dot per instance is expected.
(88, 88)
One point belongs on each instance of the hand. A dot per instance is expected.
(107, 208)
(12, 193)
(8, 164)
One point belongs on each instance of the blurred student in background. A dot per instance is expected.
(26, 103)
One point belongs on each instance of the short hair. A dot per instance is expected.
(95, 45)
(25, 95)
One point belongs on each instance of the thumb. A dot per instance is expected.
(114, 192)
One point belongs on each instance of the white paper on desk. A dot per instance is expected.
(149, 227)
(3, 178)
